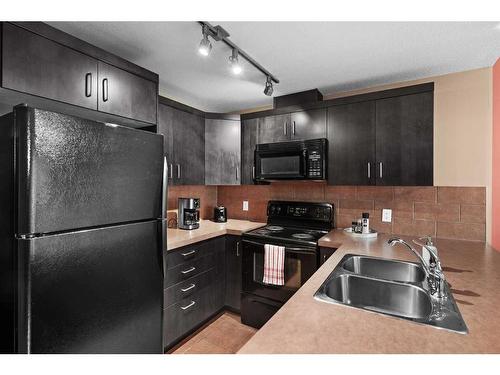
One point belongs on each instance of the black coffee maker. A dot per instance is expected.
(188, 213)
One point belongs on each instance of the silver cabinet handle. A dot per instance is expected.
(380, 170)
(369, 170)
(189, 270)
(171, 171)
(188, 253)
(191, 304)
(178, 171)
(253, 173)
(238, 249)
(293, 128)
(284, 128)
(236, 173)
(105, 90)
(88, 85)
(184, 290)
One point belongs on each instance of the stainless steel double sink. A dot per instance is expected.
(390, 287)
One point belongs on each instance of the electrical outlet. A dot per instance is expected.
(386, 215)
(245, 205)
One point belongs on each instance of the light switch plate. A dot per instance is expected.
(386, 215)
(245, 205)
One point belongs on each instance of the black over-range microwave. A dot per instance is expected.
(296, 160)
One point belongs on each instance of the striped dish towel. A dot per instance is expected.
(274, 265)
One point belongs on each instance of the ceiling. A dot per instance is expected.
(330, 56)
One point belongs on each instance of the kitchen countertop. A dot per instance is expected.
(208, 229)
(304, 325)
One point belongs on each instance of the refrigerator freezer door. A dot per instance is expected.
(76, 173)
(92, 291)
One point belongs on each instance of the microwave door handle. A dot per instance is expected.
(303, 172)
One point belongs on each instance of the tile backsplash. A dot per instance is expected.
(440, 211)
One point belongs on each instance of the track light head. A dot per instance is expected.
(205, 45)
(235, 64)
(268, 89)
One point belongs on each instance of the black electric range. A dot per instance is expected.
(278, 233)
(297, 226)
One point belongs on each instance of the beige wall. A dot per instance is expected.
(462, 129)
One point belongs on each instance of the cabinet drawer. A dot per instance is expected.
(190, 253)
(185, 315)
(189, 287)
(189, 269)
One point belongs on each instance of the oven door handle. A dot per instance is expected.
(288, 249)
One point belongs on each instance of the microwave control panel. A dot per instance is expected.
(314, 164)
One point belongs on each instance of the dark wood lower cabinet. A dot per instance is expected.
(233, 273)
(186, 315)
(201, 280)
(194, 288)
(325, 253)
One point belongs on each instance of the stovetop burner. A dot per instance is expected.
(274, 228)
(275, 232)
(303, 236)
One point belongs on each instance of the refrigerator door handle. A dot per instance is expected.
(164, 189)
(164, 218)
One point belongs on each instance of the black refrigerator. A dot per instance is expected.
(82, 234)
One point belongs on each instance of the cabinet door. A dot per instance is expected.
(309, 124)
(166, 128)
(274, 129)
(325, 253)
(233, 272)
(351, 149)
(38, 66)
(125, 94)
(222, 152)
(189, 148)
(404, 140)
(249, 129)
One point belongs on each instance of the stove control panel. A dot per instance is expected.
(300, 210)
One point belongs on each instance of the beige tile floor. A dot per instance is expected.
(223, 335)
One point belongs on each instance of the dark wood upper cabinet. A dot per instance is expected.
(274, 129)
(45, 67)
(302, 125)
(222, 152)
(404, 140)
(309, 124)
(35, 65)
(249, 130)
(125, 94)
(382, 141)
(184, 135)
(351, 149)
(166, 128)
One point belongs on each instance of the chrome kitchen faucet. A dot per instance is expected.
(433, 270)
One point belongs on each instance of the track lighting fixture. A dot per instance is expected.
(205, 45)
(217, 33)
(268, 89)
(235, 64)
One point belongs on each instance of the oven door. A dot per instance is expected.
(280, 164)
(300, 264)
